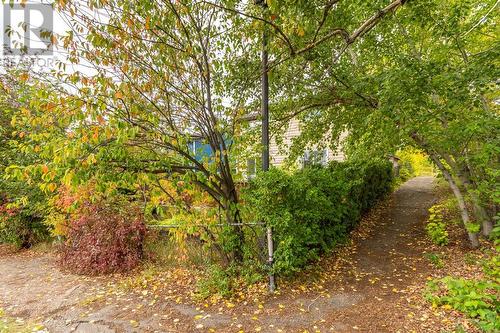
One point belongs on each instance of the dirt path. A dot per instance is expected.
(367, 292)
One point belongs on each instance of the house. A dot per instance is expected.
(278, 153)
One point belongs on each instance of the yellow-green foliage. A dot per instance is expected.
(436, 227)
(413, 162)
(13, 325)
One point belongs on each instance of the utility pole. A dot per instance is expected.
(265, 139)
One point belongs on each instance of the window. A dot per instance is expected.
(251, 168)
(315, 157)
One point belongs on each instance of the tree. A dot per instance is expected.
(408, 83)
(152, 103)
(162, 77)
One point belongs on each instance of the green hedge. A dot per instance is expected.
(22, 227)
(313, 209)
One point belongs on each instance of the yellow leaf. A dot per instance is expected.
(52, 187)
(118, 95)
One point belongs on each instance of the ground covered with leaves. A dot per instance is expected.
(377, 283)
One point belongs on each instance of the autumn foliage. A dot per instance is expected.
(104, 238)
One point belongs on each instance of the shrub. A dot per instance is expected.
(20, 227)
(104, 238)
(491, 267)
(476, 298)
(436, 228)
(313, 209)
(224, 281)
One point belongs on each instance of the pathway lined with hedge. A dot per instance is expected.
(367, 292)
(371, 289)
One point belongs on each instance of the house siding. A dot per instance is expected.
(279, 154)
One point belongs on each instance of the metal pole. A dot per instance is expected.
(265, 105)
(265, 148)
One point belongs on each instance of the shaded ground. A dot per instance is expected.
(367, 287)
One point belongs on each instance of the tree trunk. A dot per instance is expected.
(233, 219)
(481, 214)
(479, 211)
(473, 237)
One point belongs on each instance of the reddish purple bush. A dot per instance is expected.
(104, 238)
